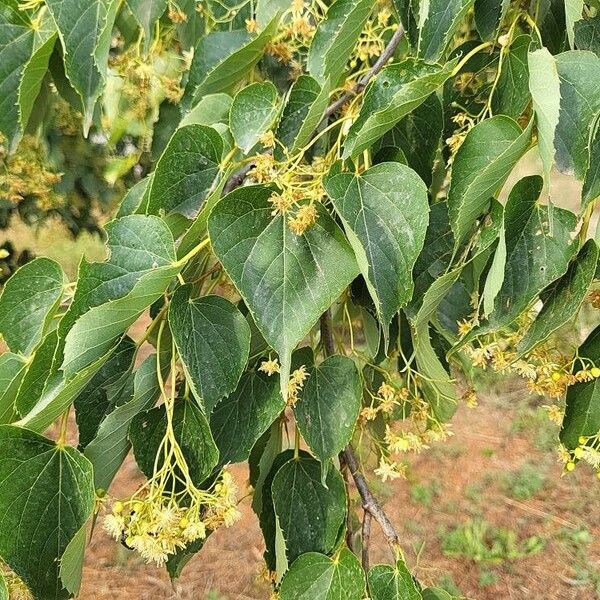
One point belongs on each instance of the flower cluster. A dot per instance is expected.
(295, 382)
(159, 524)
(588, 450)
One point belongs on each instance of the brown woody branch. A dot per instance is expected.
(387, 53)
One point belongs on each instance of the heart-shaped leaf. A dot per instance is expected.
(213, 340)
(314, 576)
(287, 280)
(385, 212)
(392, 583)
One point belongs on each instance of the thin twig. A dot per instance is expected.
(237, 178)
(366, 538)
(327, 333)
(387, 53)
(369, 502)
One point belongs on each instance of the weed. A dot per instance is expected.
(479, 541)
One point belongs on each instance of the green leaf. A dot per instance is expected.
(392, 583)
(436, 594)
(28, 302)
(213, 340)
(186, 172)
(286, 280)
(591, 181)
(544, 86)
(310, 514)
(213, 108)
(579, 74)
(335, 39)
(192, 433)
(12, 371)
(71, 562)
(46, 495)
(267, 9)
(385, 212)
(238, 421)
(134, 196)
(587, 34)
(38, 371)
(222, 59)
(563, 298)
(488, 17)
(302, 113)
(315, 576)
(418, 136)
(438, 21)
(329, 406)
(481, 166)
(536, 255)
(573, 13)
(85, 30)
(24, 54)
(111, 443)
(582, 413)
(252, 113)
(564, 94)
(511, 94)
(110, 296)
(147, 13)
(104, 391)
(393, 94)
(3, 588)
(58, 394)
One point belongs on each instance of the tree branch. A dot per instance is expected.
(369, 502)
(366, 538)
(387, 53)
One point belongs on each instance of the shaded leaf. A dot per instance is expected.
(71, 562)
(238, 421)
(385, 213)
(582, 413)
(46, 495)
(591, 181)
(314, 576)
(488, 17)
(192, 433)
(147, 13)
(286, 280)
(103, 392)
(186, 172)
(329, 406)
(511, 94)
(335, 39)
(28, 302)
(563, 299)
(12, 371)
(393, 94)
(302, 113)
(310, 515)
(213, 340)
(111, 443)
(252, 113)
(587, 34)
(418, 136)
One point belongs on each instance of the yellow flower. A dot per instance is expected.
(281, 203)
(251, 25)
(270, 367)
(388, 470)
(267, 139)
(305, 218)
(369, 413)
